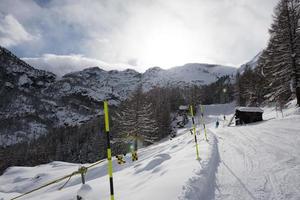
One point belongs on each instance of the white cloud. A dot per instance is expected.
(63, 64)
(170, 32)
(146, 33)
(12, 32)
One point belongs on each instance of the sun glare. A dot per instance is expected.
(166, 47)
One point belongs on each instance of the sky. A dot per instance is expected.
(68, 35)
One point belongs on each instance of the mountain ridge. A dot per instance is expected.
(35, 101)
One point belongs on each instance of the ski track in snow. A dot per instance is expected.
(259, 161)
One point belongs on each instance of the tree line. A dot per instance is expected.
(145, 117)
(276, 78)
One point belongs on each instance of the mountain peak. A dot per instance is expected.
(153, 70)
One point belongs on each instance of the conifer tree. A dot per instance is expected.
(136, 120)
(282, 57)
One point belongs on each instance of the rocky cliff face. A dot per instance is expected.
(23, 104)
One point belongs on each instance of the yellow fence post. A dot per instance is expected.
(202, 118)
(110, 168)
(194, 131)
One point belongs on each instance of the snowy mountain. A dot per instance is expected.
(186, 75)
(23, 101)
(252, 63)
(34, 101)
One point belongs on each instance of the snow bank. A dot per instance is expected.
(202, 185)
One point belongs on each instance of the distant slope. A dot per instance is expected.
(123, 82)
(188, 74)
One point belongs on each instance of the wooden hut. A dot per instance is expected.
(183, 109)
(246, 115)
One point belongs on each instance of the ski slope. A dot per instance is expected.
(166, 170)
(257, 161)
(261, 160)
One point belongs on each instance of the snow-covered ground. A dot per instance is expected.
(257, 161)
(261, 160)
(167, 170)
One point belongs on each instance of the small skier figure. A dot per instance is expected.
(224, 121)
(217, 123)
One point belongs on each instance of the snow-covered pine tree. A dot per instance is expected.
(135, 119)
(125, 121)
(147, 124)
(282, 56)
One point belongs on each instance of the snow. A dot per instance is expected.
(65, 117)
(66, 87)
(49, 102)
(255, 161)
(23, 79)
(85, 191)
(6, 139)
(250, 109)
(182, 107)
(8, 84)
(186, 75)
(164, 171)
(35, 129)
(98, 84)
(260, 161)
(216, 112)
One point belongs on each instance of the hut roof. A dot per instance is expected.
(183, 107)
(249, 109)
